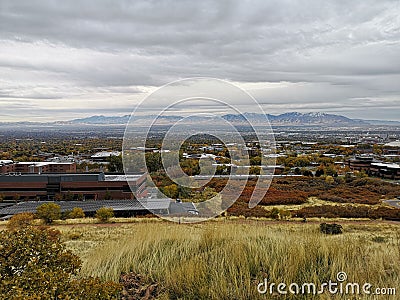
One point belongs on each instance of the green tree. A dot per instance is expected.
(171, 191)
(223, 170)
(49, 212)
(378, 149)
(76, 213)
(104, 214)
(255, 161)
(153, 162)
(331, 171)
(255, 170)
(307, 173)
(34, 264)
(329, 179)
(274, 213)
(301, 161)
(115, 164)
(207, 194)
(320, 172)
(107, 195)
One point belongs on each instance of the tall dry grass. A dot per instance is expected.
(221, 260)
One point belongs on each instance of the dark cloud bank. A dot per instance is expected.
(69, 56)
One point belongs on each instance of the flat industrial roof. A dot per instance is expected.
(393, 144)
(105, 154)
(6, 161)
(396, 166)
(89, 206)
(122, 177)
(43, 163)
(69, 177)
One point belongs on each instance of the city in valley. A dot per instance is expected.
(321, 181)
(199, 150)
(318, 172)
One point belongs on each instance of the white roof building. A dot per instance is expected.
(393, 144)
(105, 154)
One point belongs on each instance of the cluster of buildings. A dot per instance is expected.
(24, 186)
(9, 166)
(127, 195)
(56, 178)
(51, 180)
(374, 164)
(372, 167)
(53, 163)
(102, 156)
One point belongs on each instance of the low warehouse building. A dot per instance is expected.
(91, 186)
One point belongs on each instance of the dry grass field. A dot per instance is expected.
(227, 259)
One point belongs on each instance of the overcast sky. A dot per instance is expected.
(67, 59)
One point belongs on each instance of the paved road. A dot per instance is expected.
(394, 203)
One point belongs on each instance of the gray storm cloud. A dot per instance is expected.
(65, 56)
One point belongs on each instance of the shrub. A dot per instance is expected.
(171, 191)
(379, 239)
(34, 264)
(330, 228)
(76, 213)
(320, 172)
(74, 235)
(21, 220)
(58, 197)
(307, 173)
(331, 211)
(329, 179)
(276, 196)
(242, 209)
(385, 213)
(285, 214)
(274, 213)
(49, 212)
(104, 214)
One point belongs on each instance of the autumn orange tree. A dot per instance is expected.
(20, 220)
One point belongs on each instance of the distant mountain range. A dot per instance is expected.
(296, 118)
(286, 119)
(121, 120)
